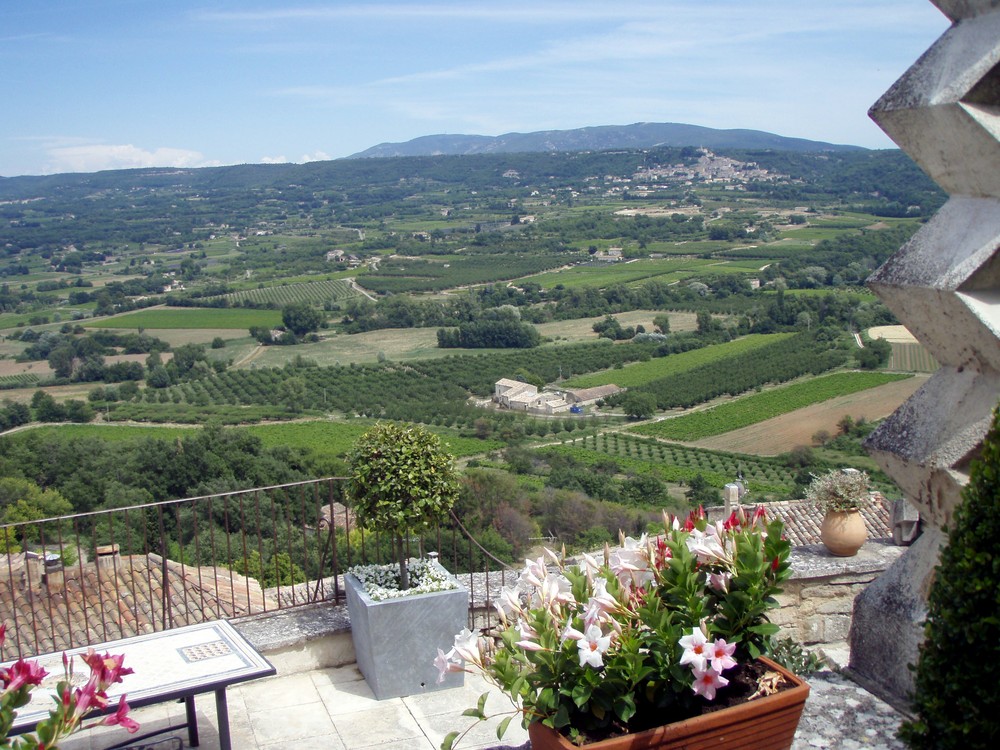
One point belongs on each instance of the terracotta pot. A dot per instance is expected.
(766, 723)
(843, 532)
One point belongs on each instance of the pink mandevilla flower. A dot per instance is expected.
(707, 546)
(530, 646)
(695, 646)
(23, 673)
(720, 654)
(719, 581)
(107, 668)
(569, 633)
(467, 646)
(534, 572)
(509, 603)
(121, 718)
(592, 646)
(631, 563)
(707, 681)
(446, 663)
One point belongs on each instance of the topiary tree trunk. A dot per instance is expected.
(956, 698)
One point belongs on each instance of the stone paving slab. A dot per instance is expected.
(336, 710)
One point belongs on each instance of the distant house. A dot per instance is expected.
(335, 255)
(611, 255)
(513, 394)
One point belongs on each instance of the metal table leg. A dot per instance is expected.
(192, 721)
(222, 712)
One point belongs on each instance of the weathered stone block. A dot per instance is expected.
(839, 606)
(819, 592)
(787, 599)
(935, 113)
(827, 628)
(890, 612)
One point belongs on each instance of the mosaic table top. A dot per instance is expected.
(172, 663)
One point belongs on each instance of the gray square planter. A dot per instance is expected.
(396, 640)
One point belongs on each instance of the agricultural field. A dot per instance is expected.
(395, 344)
(601, 274)
(336, 439)
(420, 275)
(23, 380)
(672, 462)
(642, 373)
(582, 329)
(912, 358)
(157, 318)
(115, 432)
(783, 433)
(279, 295)
(9, 367)
(759, 407)
(908, 354)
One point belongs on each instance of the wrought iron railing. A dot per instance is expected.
(74, 580)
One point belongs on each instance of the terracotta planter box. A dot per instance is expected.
(396, 640)
(767, 723)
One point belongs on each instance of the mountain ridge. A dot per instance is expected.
(597, 138)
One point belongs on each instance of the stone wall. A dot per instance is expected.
(817, 602)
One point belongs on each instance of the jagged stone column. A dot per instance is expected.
(944, 285)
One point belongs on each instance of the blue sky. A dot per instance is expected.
(102, 84)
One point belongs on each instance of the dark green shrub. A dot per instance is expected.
(402, 481)
(956, 700)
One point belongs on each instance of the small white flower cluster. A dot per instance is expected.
(381, 582)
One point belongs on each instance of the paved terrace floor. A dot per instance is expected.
(334, 709)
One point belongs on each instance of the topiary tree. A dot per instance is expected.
(402, 481)
(955, 700)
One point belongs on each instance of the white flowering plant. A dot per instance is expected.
(655, 634)
(381, 582)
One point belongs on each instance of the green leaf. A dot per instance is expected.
(502, 727)
(449, 740)
(625, 707)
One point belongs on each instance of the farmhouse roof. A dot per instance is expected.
(126, 596)
(508, 383)
(581, 395)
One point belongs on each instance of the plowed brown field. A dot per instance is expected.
(781, 434)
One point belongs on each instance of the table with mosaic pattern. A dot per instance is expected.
(170, 665)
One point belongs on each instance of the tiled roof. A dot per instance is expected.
(802, 520)
(125, 597)
(595, 393)
(339, 515)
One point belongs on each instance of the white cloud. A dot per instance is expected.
(274, 160)
(316, 156)
(96, 157)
